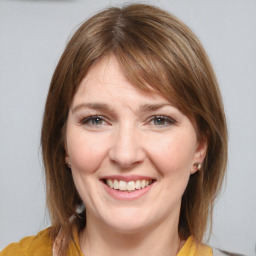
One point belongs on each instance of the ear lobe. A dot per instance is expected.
(67, 158)
(200, 153)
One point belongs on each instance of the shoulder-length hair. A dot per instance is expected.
(156, 51)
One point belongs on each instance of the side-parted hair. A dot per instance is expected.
(157, 52)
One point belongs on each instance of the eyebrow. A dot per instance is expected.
(153, 107)
(95, 106)
(107, 108)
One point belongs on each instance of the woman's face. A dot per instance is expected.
(131, 153)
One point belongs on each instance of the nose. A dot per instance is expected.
(127, 148)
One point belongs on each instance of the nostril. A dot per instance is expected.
(125, 161)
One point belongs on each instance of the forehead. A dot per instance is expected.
(106, 81)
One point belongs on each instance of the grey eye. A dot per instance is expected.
(159, 121)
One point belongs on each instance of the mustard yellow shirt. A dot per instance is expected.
(41, 245)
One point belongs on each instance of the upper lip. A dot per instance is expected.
(127, 178)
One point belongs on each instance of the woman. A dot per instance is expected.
(134, 140)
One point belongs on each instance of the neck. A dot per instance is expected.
(99, 240)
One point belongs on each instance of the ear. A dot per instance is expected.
(67, 158)
(199, 155)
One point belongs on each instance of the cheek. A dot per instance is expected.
(85, 152)
(173, 155)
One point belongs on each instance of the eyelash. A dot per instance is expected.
(168, 121)
(90, 121)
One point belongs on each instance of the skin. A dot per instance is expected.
(111, 130)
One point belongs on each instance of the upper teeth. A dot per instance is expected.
(130, 185)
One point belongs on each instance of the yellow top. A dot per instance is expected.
(41, 245)
(191, 248)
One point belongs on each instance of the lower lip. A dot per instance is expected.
(124, 195)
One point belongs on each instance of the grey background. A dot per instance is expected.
(32, 37)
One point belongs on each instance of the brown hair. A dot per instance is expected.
(153, 47)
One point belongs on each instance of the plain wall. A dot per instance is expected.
(33, 34)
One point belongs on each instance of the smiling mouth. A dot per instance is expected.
(127, 186)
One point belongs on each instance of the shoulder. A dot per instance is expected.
(40, 244)
(193, 248)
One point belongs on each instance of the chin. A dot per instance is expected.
(129, 228)
(129, 222)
